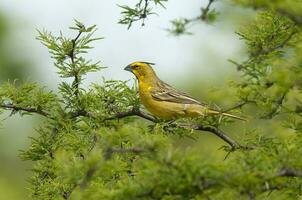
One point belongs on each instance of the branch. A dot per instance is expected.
(135, 150)
(204, 15)
(76, 81)
(215, 131)
(139, 12)
(281, 45)
(93, 169)
(239, 105)
(137, 112)
(144, 15)
(286, 172)
(133, 112)
(79, 113)
(88, 176)
(297, 19)
(126, 150)
(205, 11)
(211, 129)
(27, 109)
(278, 104)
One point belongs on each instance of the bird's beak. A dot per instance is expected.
(128, 68)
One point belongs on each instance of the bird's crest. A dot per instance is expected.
(149, 63)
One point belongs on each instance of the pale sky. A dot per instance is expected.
(173, 55)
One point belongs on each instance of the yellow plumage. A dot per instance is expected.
(162, 100)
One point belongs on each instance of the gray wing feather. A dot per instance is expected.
(165, 92)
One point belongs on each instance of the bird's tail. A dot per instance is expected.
(214, 112)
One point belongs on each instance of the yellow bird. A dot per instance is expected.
(162, 100)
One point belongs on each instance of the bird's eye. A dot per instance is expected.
(135, 67)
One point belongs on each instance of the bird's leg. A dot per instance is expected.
(220, 119)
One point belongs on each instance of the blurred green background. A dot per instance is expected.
(195, 63)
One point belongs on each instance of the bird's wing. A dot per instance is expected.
(165, 92)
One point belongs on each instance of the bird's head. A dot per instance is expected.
(142, 70)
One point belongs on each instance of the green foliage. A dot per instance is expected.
(29, 96)
(66, 51)
(139, 12)
(93, 145)
(181, 26)
(142, 10)
(270, 74)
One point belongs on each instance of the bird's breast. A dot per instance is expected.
(162, 109)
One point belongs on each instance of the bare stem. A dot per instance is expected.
(27, 109)
(76, 81)
(205, 11)
(139, 113)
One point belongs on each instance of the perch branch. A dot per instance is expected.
(139, 113)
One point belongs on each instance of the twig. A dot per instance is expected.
(286, 172)
(27, 109)
(111, 151)
(239, 105)
(133, 112)
(275, 110)
(214, 130)
(141, 13)
(93, 169)
(139, 113)
(66, 194)
(127, 150)
(282, 11)
(144, 15)
(76, 81)
(281, 45)
(205, 11)
(297, 19)
(88, 176)
(80, 113)
(204, 14)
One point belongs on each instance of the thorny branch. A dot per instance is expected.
(286, 172)
(278, 104)
(92, 170)
(281, 45)
(15, 108)
(204, 15)
(135, 150)
(139, 12)
(76, 81)
(180, 26)
(133, 112)
(208, 184)
(205, 11)
(239, 105)
(214, 130)
(297, 19)
(284, 12)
